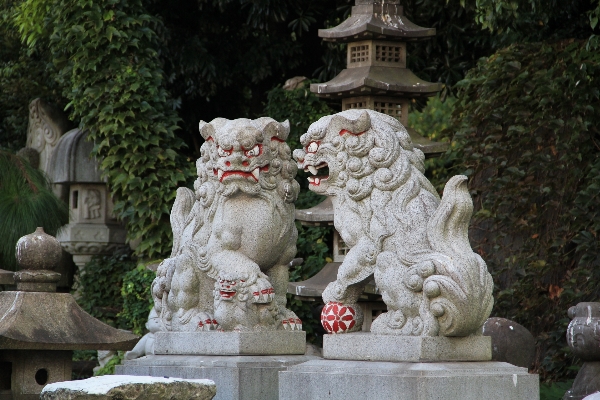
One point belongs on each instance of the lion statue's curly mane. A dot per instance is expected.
(397, 228)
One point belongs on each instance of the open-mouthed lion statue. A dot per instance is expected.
(397, 228)
(234, 235)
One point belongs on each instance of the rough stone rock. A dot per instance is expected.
(511, 342)
(128, 387)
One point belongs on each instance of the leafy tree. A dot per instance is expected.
(526, 132)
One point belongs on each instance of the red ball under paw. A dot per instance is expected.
(338, 318)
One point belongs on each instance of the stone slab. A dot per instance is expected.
(230, 343)
(371, 347)
(128, 387)
(236, 377)
(359, 380)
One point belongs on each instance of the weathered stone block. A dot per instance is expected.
(350, 380)
(230, 343)
(236, 377)
(372, 347)
(126, 387)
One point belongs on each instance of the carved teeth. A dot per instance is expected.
(311, 179)
(255, 173)
(312, 169)
(317, 181)
(220, 174)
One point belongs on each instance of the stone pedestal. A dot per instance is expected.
(348, 380)
(236, 377)
(230, 343)
(370, 347)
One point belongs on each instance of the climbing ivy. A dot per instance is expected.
(105, 57)
(527, 134)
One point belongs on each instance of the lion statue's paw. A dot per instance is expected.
(262, 290)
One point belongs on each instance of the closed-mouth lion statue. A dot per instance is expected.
(399, 231)
(234, 235)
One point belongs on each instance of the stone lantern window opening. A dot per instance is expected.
(75, 197)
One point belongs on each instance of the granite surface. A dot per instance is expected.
(230, 343)
(371, 347)
(358, 380)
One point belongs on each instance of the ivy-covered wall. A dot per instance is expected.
(525, 130)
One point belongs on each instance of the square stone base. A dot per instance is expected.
(370, 347)
(236, 377)
(360, 380)
(230, 343)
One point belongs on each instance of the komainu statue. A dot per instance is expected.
(234, 234)
(397, 228)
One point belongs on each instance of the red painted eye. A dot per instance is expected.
(254, 152)
(312, 147)
(223, 153)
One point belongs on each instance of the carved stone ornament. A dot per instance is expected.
(583, 333)
(234, 235)
(397, 228)
(46, 125)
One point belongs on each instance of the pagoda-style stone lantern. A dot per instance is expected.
(376, 78)
(39, 328)
(93, 228)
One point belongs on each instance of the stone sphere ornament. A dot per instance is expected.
(38, 251)
(338, 318)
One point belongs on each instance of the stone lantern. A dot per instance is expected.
(376, 78)
(93, 228)
(39, 328)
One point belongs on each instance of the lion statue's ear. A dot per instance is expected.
(278, 131)
(206, 130)
(356, 126)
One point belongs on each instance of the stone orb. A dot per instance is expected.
(511, 342)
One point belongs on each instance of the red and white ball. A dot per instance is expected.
(338, 318)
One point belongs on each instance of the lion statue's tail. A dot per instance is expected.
(459, 294)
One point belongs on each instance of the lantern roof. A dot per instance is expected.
(376, 19)
(72, 161)
(35, 317)
(375, 80)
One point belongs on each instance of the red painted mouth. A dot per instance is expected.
(240, 173)
(226, 295)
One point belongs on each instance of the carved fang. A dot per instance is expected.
(255, 173)
(312, 169)
(220, 174)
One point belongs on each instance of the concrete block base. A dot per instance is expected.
(349, 380)
(230, 343)
(236, 377)
(366, 346)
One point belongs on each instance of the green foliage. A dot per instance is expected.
(538, 19)
(554, 391)
(527, 134)
(137, 298)
(431, 122)
(109, 367)
(99, 292)
(26, 202)
(106, 60)
(23, 77)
